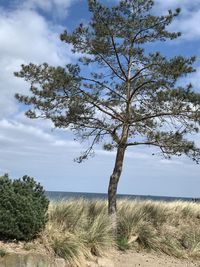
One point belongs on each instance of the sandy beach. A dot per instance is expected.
(143, 259)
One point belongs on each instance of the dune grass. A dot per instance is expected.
(80, 229)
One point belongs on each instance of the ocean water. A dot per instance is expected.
(58, 195)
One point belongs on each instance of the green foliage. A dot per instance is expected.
(131, 96)
(118, 93)
(2, 252)
(122, 243)
(23, 207)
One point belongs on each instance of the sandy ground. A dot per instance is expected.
(127, 259)
(141, 259)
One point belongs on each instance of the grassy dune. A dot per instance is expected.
(79, 230)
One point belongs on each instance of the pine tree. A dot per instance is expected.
(130, 98)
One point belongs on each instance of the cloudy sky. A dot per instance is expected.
(29, 32)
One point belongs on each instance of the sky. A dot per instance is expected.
(29, 32)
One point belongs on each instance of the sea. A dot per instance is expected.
(59, 195)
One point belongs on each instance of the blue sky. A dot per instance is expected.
(29, 32)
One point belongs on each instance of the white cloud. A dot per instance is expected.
(55, 8)
(25, 36)
(25, 136)
(171, 162)
(28, 149)
(137, 154)
(193, 78)
(184, 4)
(187, 25)
(29, 146)
(189, 19)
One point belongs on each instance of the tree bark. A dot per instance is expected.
(114, 179)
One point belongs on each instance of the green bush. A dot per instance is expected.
(23, 208)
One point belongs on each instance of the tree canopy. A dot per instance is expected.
(118, 93)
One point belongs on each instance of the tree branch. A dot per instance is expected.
(104, 85)
(117, 56)
(118, 117)
(109, 65)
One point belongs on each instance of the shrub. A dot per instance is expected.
(23, 207)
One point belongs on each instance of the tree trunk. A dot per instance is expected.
(114, 179)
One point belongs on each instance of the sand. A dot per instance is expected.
(125, 259)
(141, 259)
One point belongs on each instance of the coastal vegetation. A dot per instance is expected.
(23, 208)
(80, 230)
(120, 91)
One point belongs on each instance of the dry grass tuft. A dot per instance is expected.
(169, 227)
(80, 229)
